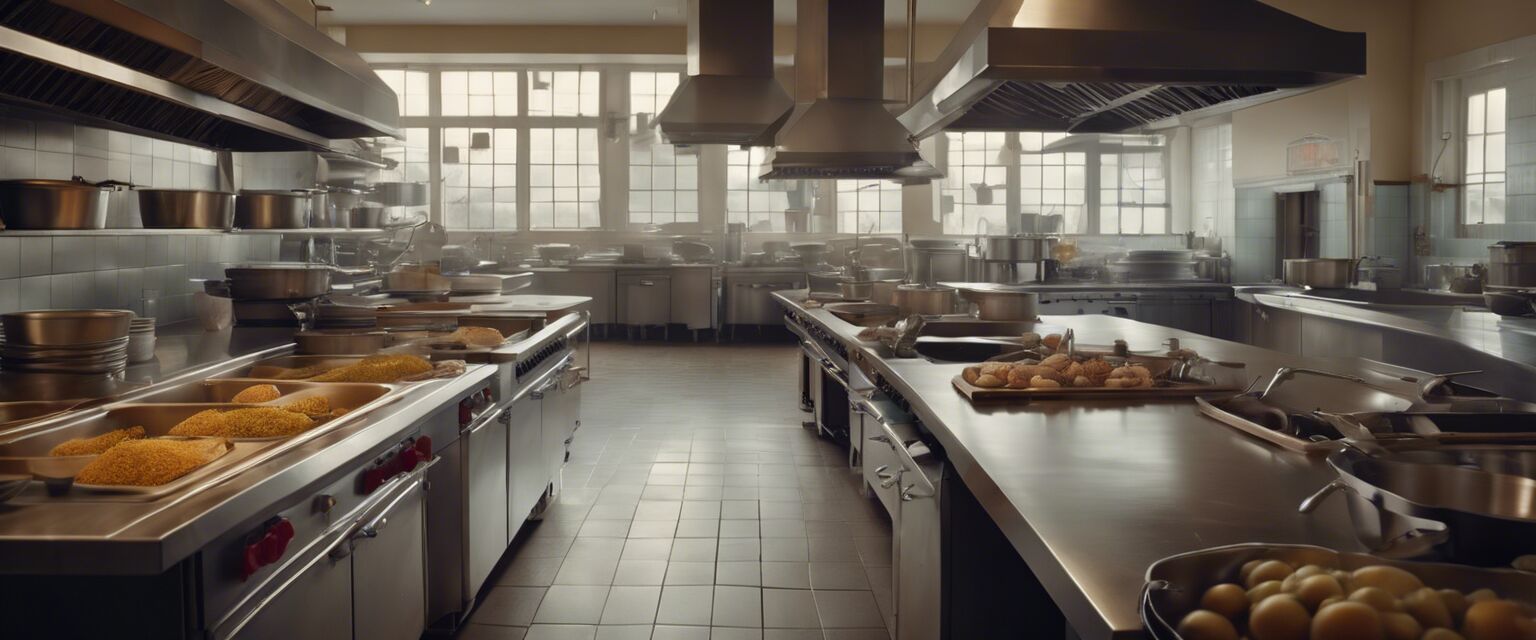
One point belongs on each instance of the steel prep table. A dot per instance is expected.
(1087, 494)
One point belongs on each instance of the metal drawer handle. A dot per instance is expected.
(880, 472)
(890, 481)
(371, 529)
(908, 495)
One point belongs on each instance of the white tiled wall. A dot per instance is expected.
(99, 269)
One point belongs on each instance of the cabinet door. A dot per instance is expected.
(487, 477)
(561, 404)
(528, 472)
(389, 575)
(317, 605)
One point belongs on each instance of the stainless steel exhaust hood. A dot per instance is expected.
(840, 127)
(1101, 66)
(730, 95)
(245, 75)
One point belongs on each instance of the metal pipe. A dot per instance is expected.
(911, 51)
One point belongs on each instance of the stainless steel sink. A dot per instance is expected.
(966, 327)
(964, 349)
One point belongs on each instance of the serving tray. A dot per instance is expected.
(1165, 389)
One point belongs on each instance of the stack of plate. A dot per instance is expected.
(89, 341)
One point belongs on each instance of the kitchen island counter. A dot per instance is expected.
(1089, 493)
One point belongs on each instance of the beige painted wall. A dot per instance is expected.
(1371, 113)
(1443, 28)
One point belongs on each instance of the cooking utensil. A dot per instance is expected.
(1512, 264)
(1440, 277)
(864, 314)
(1175, 584)
(366, 217)
(1463, 504)
(279, 281)
(400, 194)
(1507, 303)
(66, 327)
(327, 343)
(924, 300)
(273, 209)
(1002, 303)
(856, 290)
(1017, 248)
(55, 204)
(186, 209)
(1320, 273)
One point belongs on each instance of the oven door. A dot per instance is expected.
(389, 594)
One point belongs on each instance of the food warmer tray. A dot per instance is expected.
(1175, 584)
(1159, 366)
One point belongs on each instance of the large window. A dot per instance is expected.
(479, 178)
(564, 180)
(974, 190)
(868, 206)
(1133, 191)
(480, 93)
(411, 92)
(663, 179)
(563, 93)
(1120, 180)
(1483, 156)
(1214, 197)
(1052, 182)
(758, 204)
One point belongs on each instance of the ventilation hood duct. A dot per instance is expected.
(730, 95)
(1105, 66)
(840, 127)
(244, 75)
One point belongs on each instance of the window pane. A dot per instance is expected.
(1477, 112)
(658, 170)
(1496, 116)
(868, 206)
(758, 204)
(1475, 154)
(564, 186)
(481, 163)
(410, 89)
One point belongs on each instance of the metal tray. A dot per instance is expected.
(264, 370)
(1240, 411)
(349, 395)
(1320, 432)
(15, 414)
(1161, 367)
(1175, 584)
(233, 452)
(28, 452)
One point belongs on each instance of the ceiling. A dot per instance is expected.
(597, 12)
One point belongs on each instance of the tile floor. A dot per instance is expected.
(696, 508)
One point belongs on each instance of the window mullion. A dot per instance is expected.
(1091, 173)
(524, 213)
(435, 148)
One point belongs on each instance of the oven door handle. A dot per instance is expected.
(373, 526)
(922, 487)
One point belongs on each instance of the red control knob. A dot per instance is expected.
(268, 548)
(424, 445)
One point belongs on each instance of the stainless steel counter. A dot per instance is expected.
(103, 535)
(1447, 338)
(1090, 493)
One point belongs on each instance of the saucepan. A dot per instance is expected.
(1470, 505)
(55, 204)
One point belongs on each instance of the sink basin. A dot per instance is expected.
(964, 327)
(969, 350)
(1398, 297)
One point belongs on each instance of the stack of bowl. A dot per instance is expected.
(141, 340)
(88, 341)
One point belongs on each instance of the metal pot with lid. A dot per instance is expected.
(55, 204)
(273, 209)
(1512, 264)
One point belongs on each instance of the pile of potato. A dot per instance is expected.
(1277, 601)
(1057, 371)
